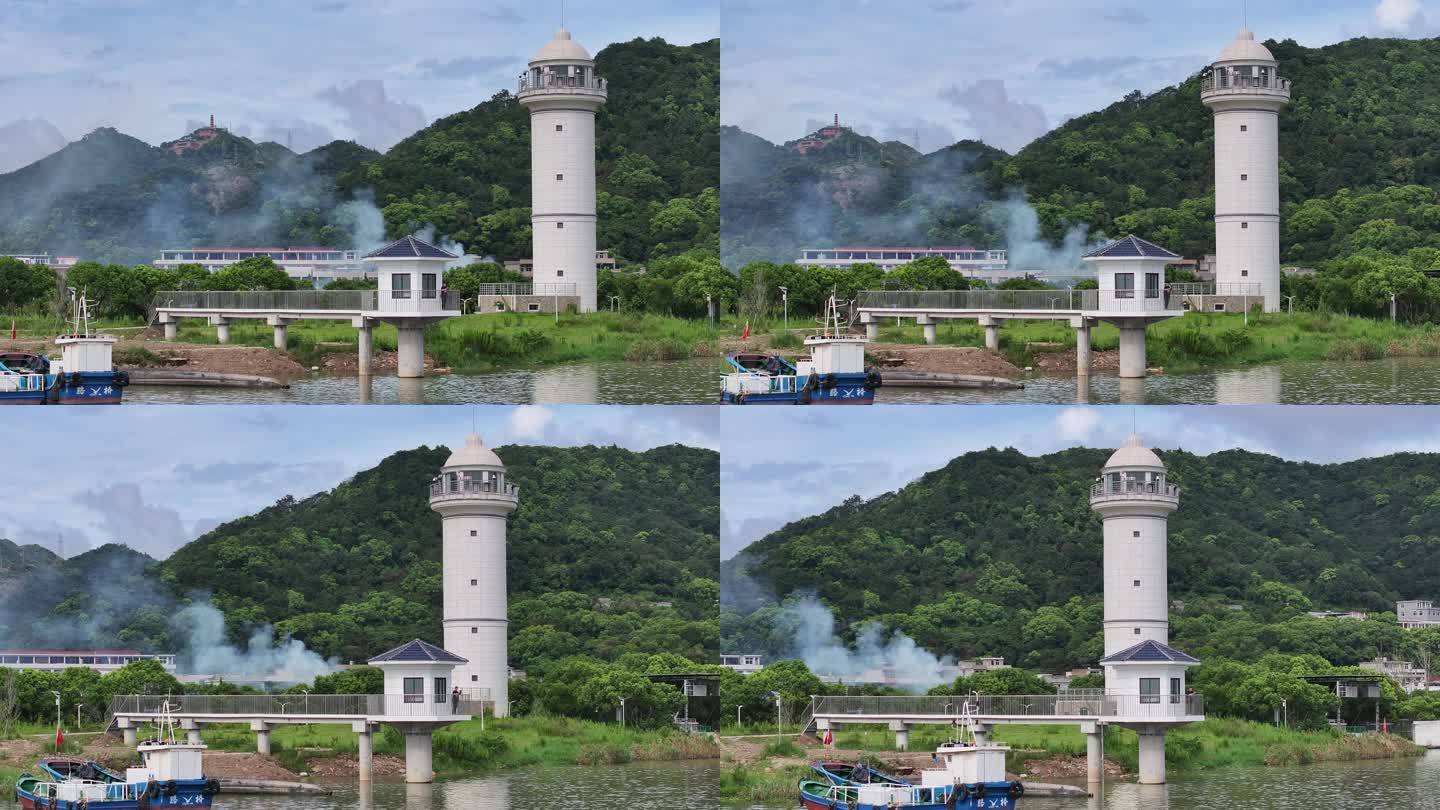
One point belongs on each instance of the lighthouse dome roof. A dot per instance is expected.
(561, 49)
(474, 454)
(1134, 454)
(1244, 48)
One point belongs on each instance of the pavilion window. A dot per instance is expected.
(1152, 285)
(1175, 690)
(429, 282)
(414, 690)
(1149, 689)
(1124, 285)
(442, 690)
(400, 285)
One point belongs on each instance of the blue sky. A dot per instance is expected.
(370, 70)
(1002, 72)
(156, 477)
(785, 463)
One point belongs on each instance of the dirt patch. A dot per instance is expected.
(241, 765)
(1073, 767)
(253, 360)
(347, 765)
(1065, 361)
(348, 362)
(943, 360)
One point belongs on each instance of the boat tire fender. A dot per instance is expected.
(170, 788)
(212, 787)
(1016, 790)
(872, 378)
(122, 379)
(152, 789)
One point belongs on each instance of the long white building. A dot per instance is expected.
(102, 661)
(969, 261)
(475, 500)
(1244, 90)
(1415, 613)
(316, 265)
(564, 95)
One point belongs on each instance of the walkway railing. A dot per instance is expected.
(1106, 489)
(1183, 288)
(553, 83)
(290, 300)
(463, 489)
(241, 706)
(1061, 705)
(1060, 300)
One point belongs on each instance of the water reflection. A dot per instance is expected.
(639, 786)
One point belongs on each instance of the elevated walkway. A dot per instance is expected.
(1149, 715)
(416, 716)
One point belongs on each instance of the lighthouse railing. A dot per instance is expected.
(1124, 486)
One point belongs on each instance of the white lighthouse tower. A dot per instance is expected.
(563, 94)
(474, 500)
(1245, 92)
(1144, 675)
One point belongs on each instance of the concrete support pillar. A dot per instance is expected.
(928, 324)
(172, 329)
(132, 737)
(1132, 352)
(1152, 757)
(410, 344)
(262, 736)
(367, 754)
(192, 731)
(902, 735)
(367, 349)
(1094, 761)
(992, 332)
(222, 331)
(982, 734)
(282, 337)
(419, 767)
(1082, 350)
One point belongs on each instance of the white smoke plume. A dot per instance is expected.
(209, 652)
(1027, 250)
(902, 661)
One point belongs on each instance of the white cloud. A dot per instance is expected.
(530, 421)
(1077, 424)
(1396, 15)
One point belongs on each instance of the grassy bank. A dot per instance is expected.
(507, 743)
(1214, 743)
(479, 343)
(1205, 340)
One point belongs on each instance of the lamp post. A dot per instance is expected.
(738, 707)
(613, 299)
(1289, 304)
(1392, 307)
(77, 715)
(622, 712)
(785, 304)
(709, 309)
(777, 717)
(58, 722)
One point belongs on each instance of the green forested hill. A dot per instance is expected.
(1360, 168)
(469, 174)
(611, 551)
(999, 553)
(112, 198)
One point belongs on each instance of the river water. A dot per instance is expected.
(1398, 381)
(1412, 783)
(639, 786)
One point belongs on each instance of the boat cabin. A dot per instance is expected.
(966, 762)
(167, 761)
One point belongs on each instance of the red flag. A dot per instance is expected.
(59, 737)
(743, 335)
(829, 738)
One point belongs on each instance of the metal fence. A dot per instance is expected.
(1235, 289)
(979, 299)
(1060, 705)
(413, 705)
(560, 288)
(282, 300)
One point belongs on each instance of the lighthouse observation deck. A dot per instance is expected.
(561, 85)
(451, 488)
(1110, 488)
(1219, 84)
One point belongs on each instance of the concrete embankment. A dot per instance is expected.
(203, 379)
(270, 787)
(929, 379)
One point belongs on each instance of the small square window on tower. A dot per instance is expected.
(474, 582)
(559, 177)
(474, 678)
(561, 127)
(473, 533)
(559, 273)
(1244, 177)
(559, 225)
(1137, 583)
(1244, 128)
(1244, 225)
(476, 630)
(1244, 272)
(1137, 631)
(1137, 533)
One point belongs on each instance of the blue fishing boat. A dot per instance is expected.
(84, 375)
(851, 773)
(170, 776)
(833, 374)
